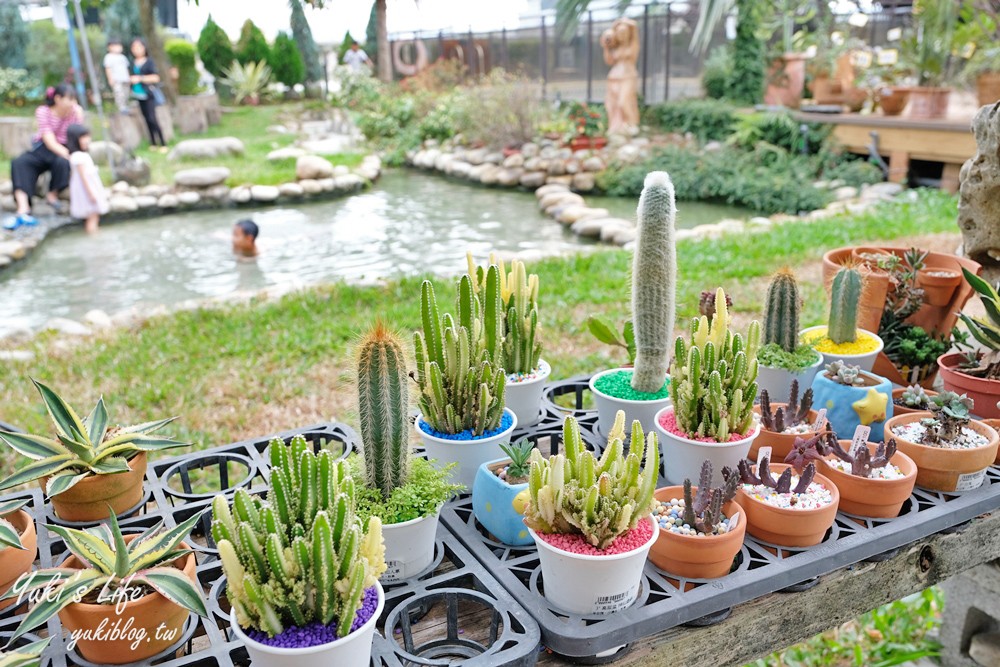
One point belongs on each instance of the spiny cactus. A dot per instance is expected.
(793, 414)
(714, 380)
(600, 499)
(383, 402)
(301, 556)
(462, 384)
(706, 303)
(781, 311)
(654, 282)
(703, 510)
(864, 461)
(522, 347)
(763, 477)
(844, 298)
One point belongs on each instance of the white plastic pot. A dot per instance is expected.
(608, 407)
(778, 381)
(468, 454)
(592, 585)
(524, 399)
(354, 650)
(683, 458)
(409, 547)
(866, 361)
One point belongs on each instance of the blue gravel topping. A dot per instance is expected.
(505, 423)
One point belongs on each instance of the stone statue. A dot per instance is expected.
(979, 204)
(621, 52)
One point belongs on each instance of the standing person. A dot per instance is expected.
(88, 200)
(144, 79)
(356, 58)
(48, 152)
(116, 69)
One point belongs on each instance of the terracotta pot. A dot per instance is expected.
(855, 98)
(874, 287)
(898, 409)
(786, 81)
(938, 284)
(872, 498)
(88, 500)
(870, 256)
(780, 443)
(988, 88)
(697, 556)
(145, 614)
(928, 103)
(588, 143)
(985, 393)
(826, 91)
(995, 425)
(892, 100)
(940, 469)
(15, 562)
(788, 527)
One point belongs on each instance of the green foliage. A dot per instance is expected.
(502, 110)
(286, 61)
(252, 46)
(746, 78)
(854, 172)
(706, 119)
(247, 81)
(928, 48)
(715, 73)
(215, 48)
(986, 330)
(426, 488)
(303, 36)
(15, 86)
(605, 332)
(345, 46)
(121, 21)
(47, 55)
(438, 123)
(773, 355)
(781, 129)
(9, 536)
(14, 36)
(29, 655)
(519, 454)
(913, 347)
(371, 33)
(184, 56)
(844, 298)
(586, 120)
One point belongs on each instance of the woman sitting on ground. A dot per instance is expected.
(48, 152)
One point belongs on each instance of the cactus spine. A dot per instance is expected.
(845, 295)
(382, 409)
(781, 312)
(654, 278)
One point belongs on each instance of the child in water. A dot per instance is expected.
(88, 200)
(245, 238)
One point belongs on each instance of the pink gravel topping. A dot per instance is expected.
(577, 544)
(669, 423)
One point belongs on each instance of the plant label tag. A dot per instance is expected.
(763, 453)
(894, 34)
(609, 604)
(970, 481)
(820, 421)
(860, 439)
(393, 572)
(861, 59)
(888, 56)
(734, 521)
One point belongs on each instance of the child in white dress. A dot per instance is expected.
(88, 200)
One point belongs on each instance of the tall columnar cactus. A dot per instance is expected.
(781, 311)
(601, 498)
(382, 410)
(714, 380)
(301, 556)
(844, 298)
(654, 278)
(462, 382)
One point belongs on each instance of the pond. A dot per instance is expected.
(409, 223)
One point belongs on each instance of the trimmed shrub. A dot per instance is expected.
(715, 75)
(706, 119)
(746, 80)
(252, 46)
(303, 36)
(215, 48)
(184, 56)
(286, 61)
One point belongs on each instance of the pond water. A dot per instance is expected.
(410, 223)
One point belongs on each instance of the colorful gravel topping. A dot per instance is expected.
(517, 378)
(815, 497)
(864, 343)
(577, 544)
(798, 429)
(915, 432)
(885, 472)
(670, 516)
(619, 385)
(316, 634)
(669, 423)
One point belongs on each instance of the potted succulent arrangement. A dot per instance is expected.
(701, 529)
(496, 494)
(405, 492)
(90, 465)
(938, 284)
(591, 519)
(928, 51)
(713, 387)
(951, 451)
(588, 125)
(853, 398)
(841, 339)
(462, 383)
(978, 373)
(783, 359)
(301, 569)
(787, 74)
(18, 545)
(145, 582)
(29, 655)
(643, 390)
(907, 400)
(783, 423)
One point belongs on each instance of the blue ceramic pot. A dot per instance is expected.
(492, 503)
(848, 407)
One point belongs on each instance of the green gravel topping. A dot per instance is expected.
(619, 385)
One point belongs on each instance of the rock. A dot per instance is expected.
(845, 192)
(513, 161)
(572, 167)
(571, 214)
(311, 186)
(509, 177)
(884, 189)
(371, 175)
(264, 193)
(565, 179)
(66, 326)
(202, 177)
(327, 184)
(529, 150)
(348, 183)
(712, 146)
(628, 154)
(561, 196)
(239, 195)
(189, 198)
(145, 201)
(313, 166)
(591, 227)
(216, 193)
(133, 191)
(476, 156)
(122, 204)
(291, 190)
(533, 179)
(593, 163)
(549, 189)
(154, 190)
(584, 181)
(984, 648)
(612, 227)
(276, 129)
(100, 150)
(120, 188)
(13, 249)
(624, 236)
(340, 170)
(98, 319)
(458, 168)
(135, 171)
(476, 173)
(168, 201)
(536, 164)
(557, 168)
(8, 203)
(206, 149)
(5, 261)
(490, 174)
(286, 153)
(6, 187)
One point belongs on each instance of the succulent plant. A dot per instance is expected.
(915, 397)
(781, 311)
(951, 413)
(522, 348)
(863, 462)
(29, 655)
(654, 282)
(605, 332)
(111, 566)
(808, 449)
(601, 499)
(8, 534)
(462, 383)
(714, 380)
(301, 556)
(845, 374)
(703, 509)
(706, 303)
(764, 477)
(986, 330)
(519, 454)
(844, 298)
(789, 416)
(82, 447)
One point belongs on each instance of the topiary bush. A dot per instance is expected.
(252, 46)
(286, 61)
(746, 80)
(715, 75)
(302, 34)
(215, 48)
(706, 119)
(184, 56)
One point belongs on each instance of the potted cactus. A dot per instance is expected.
(782, 423)
(907, 400)
(952, 452)
(842, 339)
(462, 382)
(783, 358)
(29, 655)
(643, 390)
(701, 529)
(18, 545)
(144, 582)
(591, 519)
(853, 397)
(713, 387)
(495, 494)
(90, 464)
(405, 492)
(302, 571)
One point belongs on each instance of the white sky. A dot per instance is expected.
(329, 24)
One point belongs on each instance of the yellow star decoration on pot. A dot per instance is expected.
(871, 408)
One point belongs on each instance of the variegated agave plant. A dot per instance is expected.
(111, 564)
(8, 534)
(82, 447)
(24, 656)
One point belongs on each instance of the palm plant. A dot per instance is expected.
(247, 81)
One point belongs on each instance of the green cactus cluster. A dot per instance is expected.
(459, 361)
(301, 556)
(781, 311)
(844, 299)
(714, 379)
(601, 499)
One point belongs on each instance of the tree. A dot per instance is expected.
(382, 58)
(252, 46)
(304, 40)
(14, 33)
(746, 83)
(121, 21)
(371, 35)
(215, 48)
(286, 61)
